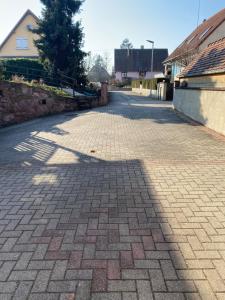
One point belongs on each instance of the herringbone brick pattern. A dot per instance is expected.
(124, 202)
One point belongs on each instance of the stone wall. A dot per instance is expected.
(202, 105)
(159, 94)
(20, 102)
(146, 92)
(104, 95)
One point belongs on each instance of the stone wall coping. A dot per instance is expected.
(202, 89)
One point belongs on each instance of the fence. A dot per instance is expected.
(58, 79)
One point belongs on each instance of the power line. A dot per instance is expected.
(199, 7)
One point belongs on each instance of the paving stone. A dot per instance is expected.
(146, 264)
(130, 296)
(23, 290)
(22, 275)
(113, 269)
(62, 286)
(99, 282)
(135, 274)
(144, 290)
(106, 296)
(6, 269)
(124, 201)
(169, 296)
(59, 270)
(121, 285)
(41, 282)
(67, 296)
(157, 281)
(7, 287)
(5, 296)
(83, 290)
(78, 274)
(44, 296)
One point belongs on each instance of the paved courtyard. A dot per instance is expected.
(124, 202)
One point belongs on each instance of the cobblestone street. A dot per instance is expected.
(124, 202)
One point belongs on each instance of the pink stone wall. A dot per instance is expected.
(20, 102)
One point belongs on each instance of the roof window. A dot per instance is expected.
(191, 39)
(204, 33)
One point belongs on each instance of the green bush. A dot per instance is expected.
(30, 69)
(136, 84)
(149, 84)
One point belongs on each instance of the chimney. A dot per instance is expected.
(142, 47)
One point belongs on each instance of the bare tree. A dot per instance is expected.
(98, 72)
(89, 62)
(107, 61)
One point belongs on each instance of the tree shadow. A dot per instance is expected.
(108, 215)
(135, 107)
(128, 218)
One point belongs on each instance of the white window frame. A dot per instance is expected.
(204, 32)
(22, 43)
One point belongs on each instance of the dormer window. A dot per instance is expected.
(21, 43)
(191, 39)
(30, 27)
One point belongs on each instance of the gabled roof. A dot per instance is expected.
(209, 61)
(139, 60)
(198, 36)
(28, 12)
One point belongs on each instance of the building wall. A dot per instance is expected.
(9, 49)
(217, 34)
(176, 70)
(159, 94)
(204, 106)
(135, 75)
(213, 81)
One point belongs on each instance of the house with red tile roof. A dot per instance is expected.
(208, 32)
(201, 94)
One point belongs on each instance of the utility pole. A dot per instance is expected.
(152, 61)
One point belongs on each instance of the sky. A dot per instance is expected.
(107, 22)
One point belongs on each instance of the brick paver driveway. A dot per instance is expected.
(122, 202)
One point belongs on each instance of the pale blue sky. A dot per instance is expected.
(107, 22)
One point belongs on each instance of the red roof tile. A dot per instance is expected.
(198, 36)
(209, 61)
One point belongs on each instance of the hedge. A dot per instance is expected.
(135, 84)
(149, 84)
(30, 69)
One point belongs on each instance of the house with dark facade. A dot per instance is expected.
(137, 63)
(208, 32)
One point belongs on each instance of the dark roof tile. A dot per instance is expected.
(139, 60)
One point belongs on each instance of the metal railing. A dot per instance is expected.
(58, 79)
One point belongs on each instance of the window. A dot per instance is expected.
(21, 43)
(124, 75)
(30, 27)
(142, 74)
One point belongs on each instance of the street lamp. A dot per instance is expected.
(151, 42)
